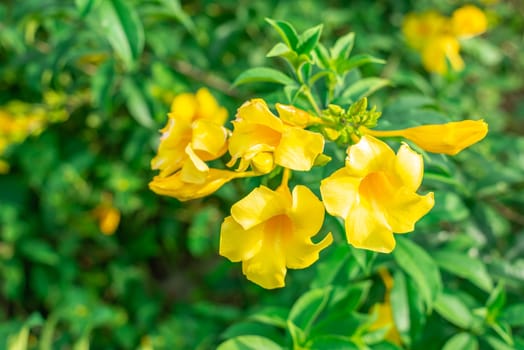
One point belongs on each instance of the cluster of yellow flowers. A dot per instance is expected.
(437, 37)
(15, 128)
(271, 230)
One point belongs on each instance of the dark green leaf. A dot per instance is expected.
(362, 88)
(343, 46)
(123, 29)
(309, 39)
(345, 65)
(330, 342)
(286, 31)
(513, 315)
(466, 267)
(307, 308)
(262, 74)
(416, 262)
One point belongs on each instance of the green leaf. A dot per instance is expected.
(513, 315)
(275, 316)
(462, 341)
(343, 46)
(496, 302)
(345, 65)
(137, 104)
(309, 39)
(280, 49)
(123, 29)
(330, 342)
(101, 84)
(85, 6)
(322, 55)
(306, 309)
(497, 344)
(453, 309)
(286, 31)
(249, 342)
(39, 251)
(362, 88)
(176, 10)
(417, 263)
(262, 74)
(466, 267)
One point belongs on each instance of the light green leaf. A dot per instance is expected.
(137, 104)
(362, 88)
(513, 315)
(330, 342)
(451, 308)
(176, 10)
(262, 74)
(306, 309)
(123, 29)
(275, 316)
(249, 342)
(286, 31)
(496, 302)
(462, 341)
(356, 61)
(466, 267)
(322, 55)
(309, 39)
(343, 46)
(417, 263)
(278, 50)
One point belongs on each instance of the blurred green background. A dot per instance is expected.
(86, 84)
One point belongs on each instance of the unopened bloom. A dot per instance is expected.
(375, 193)
(384, 312)
(262, 140)
(108, 218)
(193, 134)
(177, 186)
(270, 231)
(439, 51)
(449, 138)
(468, 21)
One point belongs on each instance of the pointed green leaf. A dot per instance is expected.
(123, 29)
(322, 56)
(309, 39)
(462, 341)
(249, 342)
(417, 263)
(286, 31)
(345, 65)
(514, 315)
(343, 46)
(308, 307)
(453, 309)
(137, 104)
(466, 267)
(262, 74)
(362, 88)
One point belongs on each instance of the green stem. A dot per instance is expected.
(307, 92)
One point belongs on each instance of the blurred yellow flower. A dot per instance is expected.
(419, 28)
(193, 134)
(270, 231)
(468, 21)
(376, 193)
(262, 140)
(439, 51)
(183, 189)
(108, 218)
(449, 138)
(384, 312)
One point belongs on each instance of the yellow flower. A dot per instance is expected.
(193, 134)
(176, 186)
(108, 218)
(449, 138)
(439, 51)
(384, 312)
(262, 140)
(468, 21)
(270, 231)
(376, 193)
(419, 28)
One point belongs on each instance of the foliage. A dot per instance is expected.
(103, 75)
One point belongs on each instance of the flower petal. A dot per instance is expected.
(257, 207)
(208, 107)
(410, 167)
(368, 155)
(209, 138)
(256, 111)
(298, 148)
(406, 209)
(184, 107)
(366, 229)
(238, 244)
(301, 253)
(339, 192)
(307, 212)
(267, 268)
